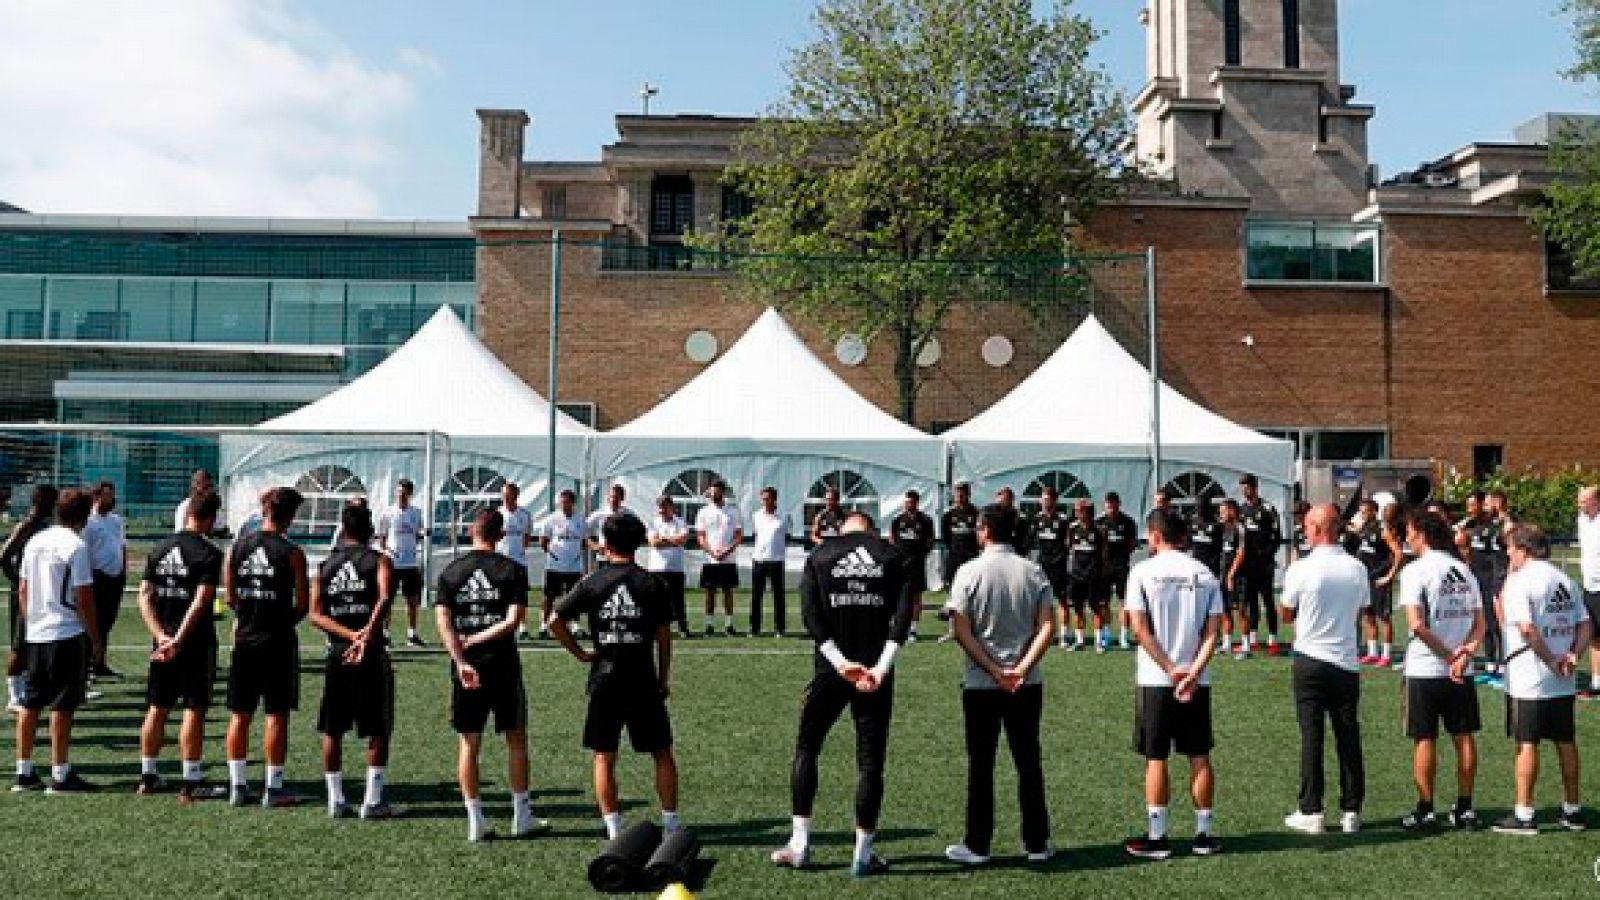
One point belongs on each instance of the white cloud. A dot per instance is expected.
(193, 107)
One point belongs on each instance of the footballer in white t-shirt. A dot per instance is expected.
(400, 533)
(561, 536)
(720, 530)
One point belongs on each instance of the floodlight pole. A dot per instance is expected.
(1155, 371)
(555, 343)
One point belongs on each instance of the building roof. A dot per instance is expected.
(10, 208)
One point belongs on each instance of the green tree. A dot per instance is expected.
(1569, 214)
(922, 147)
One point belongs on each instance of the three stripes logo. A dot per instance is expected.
(620, 605)
(257, 566)
(479, 588)
(858, 564)
(172, 565)
(347, 581)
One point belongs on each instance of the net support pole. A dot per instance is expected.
(430, 500)
(1155, 371)
(554, 354)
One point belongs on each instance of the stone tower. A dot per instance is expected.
(1244, 100)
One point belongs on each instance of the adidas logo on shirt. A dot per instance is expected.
(479, 588)
(257, 565)
(172, 565)
(858, 564)
(620, 605)
(347, 580)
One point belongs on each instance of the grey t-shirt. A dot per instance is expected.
(1001, 594)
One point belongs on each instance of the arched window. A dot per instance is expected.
(467, 491)
(1191, 489)
(856, 494)
(326, 489)
(1069, 487)
(688, 492)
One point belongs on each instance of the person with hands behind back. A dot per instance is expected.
(857, 608)
(1004, 613)
(1175, 607)
(630, 616)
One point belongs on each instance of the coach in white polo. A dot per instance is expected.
(1324, 595)
(1589, 555)
(1546, 628)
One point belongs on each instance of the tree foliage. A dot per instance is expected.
(1569, 213)
(1548, 499)
(922, 147)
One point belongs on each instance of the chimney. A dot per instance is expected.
(500, 162)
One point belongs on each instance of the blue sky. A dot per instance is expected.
(365, 107)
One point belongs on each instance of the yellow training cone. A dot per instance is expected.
(676, 892)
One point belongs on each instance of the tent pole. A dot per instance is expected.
(1155, 372)
(555, 343)
(427, 519)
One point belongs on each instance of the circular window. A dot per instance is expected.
(1069, 487)
(850, 350)
(687, 490)
(997, 351)
(326, 490)
(856, 494)
(1191, 489)
(700, 347)
(931, 353)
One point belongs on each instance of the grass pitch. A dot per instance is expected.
(734, 709)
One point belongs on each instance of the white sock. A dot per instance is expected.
(1372, 648)
(1202, 821)
(24, 767)
(1383, 651)
(60, 773)
(1525, 813)
(613, 823)
(669, 820)
(727, 621)
(863, 847)
(238, 772)
(374, 786)
(1122, 636)
(16, 686)
(335, 781)
(1571, 809)
(1077, 635)
(411, 633)
(1594, 681)
(476, 824)
(1158, 822)
(1226, 643)
(521, 812)
(147, 765)
(274, 778)
(193, 771)
(799, 838)
(1272, 640)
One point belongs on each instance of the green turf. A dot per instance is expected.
(735, 718)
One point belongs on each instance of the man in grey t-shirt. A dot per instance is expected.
(1004, 616)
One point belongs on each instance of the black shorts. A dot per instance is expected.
(1060, 581)
(1591, 602)
(1161, 724)
(184, 682)
(917, 575)
(265, 675)
(1114, 583)
(952, 563)
(408, 584)
(1430, 700)
(636, 705)
(1081, 592)
(14, 617)
(359, 697)
(499, 692)
(57, 673)
(719, 575)
(1532, 721)
(557, 584)
(1383, 600)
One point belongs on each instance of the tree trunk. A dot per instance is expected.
(905, 370)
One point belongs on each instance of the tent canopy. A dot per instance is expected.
(769, 412)
(1089, 405)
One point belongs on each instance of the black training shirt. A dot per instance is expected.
(1122, 538)
(176, 570)
(626, 606)
(913, 534)
(853, 592)
(263, 584)
(349, 581)
(1050, 537)
(480, 589)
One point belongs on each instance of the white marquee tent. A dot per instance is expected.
(488, 425)
(1084, 415)
(770, 413)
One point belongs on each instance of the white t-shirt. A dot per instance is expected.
(665, 559)
(772, 536)
(1538, 594)
(595, 525)
(518, 524)
(106, 536)
(1180, 595)
(401, 529)
(566, 535)
(1443, 587)
(1589, 551)
(716, 525)
(1328, 589)
(54, 564)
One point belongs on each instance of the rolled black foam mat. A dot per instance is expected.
(673, 860)
(621, 862)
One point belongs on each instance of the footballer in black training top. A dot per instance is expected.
(629, 614)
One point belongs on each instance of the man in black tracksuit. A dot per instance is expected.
(856, 607)
(1263, 535)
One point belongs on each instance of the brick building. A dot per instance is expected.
(1421, 318)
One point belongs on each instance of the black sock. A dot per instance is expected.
(1424, 807)
(1463, 803)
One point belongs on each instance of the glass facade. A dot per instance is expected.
(1313, 252)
